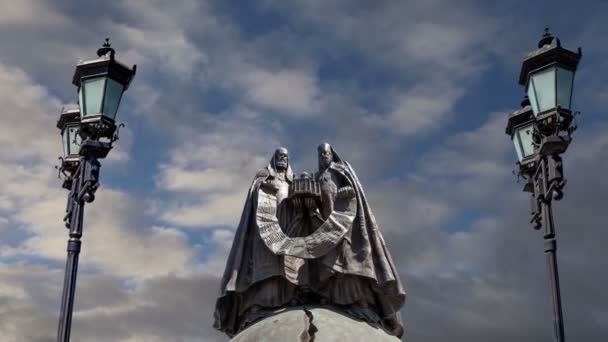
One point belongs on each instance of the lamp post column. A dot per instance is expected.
(87, 135)
(71, 265)
(558, 319)
(545, 198)
(83, 188)
(541, 131)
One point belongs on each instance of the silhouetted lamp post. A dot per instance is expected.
(541, 131)
(87, 134)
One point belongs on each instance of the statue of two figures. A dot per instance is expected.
(308, 240)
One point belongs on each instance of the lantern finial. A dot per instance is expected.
(105, 48)
(547, 39)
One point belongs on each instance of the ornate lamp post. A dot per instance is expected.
(87, 134)
(541, 131)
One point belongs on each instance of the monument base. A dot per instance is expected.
(312, 323)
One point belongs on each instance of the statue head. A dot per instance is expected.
(281, 159)
(326, 156)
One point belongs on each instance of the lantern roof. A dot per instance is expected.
(106, 64)
(67, 117)
(549, 52)
(520, 116)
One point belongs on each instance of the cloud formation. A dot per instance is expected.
(403, 90)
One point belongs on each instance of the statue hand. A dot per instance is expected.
(269, 187)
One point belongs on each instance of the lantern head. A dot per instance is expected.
(521, 129)
(69, 124)
(101, 83)
(548, 75)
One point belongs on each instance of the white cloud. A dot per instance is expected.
(482, 152)
(27, 294)
(456, 224)
(490, 272)
(112, 240)
(423, 107)
(207, 180)
(28, 120)
(158, 309)
(439, 53)
(30, 12)
(169, 50)
(213, 211)
(288, 92)
(36, 202)
(208, 174)
(120, 155)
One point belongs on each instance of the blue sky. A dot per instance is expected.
(414, 95)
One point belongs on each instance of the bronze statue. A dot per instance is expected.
(308, 240)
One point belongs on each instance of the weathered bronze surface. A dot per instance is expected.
(309, 240)
(313, 323)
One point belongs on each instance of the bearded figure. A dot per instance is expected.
(311, 240)
(358, 274)
(255, 277)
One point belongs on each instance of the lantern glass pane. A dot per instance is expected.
(93, 95)
(75, 140)
(564, 87)
(112, 98)
(81, 101)
(532, 98)
(66, 142)
(544, 87)
(524, 147)
(517, 147)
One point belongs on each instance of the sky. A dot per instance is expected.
(414, 94)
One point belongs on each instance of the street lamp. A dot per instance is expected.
(541, 131)
(69, 123)
(101, 83)
(521, 129)
(87, 135)
(548, 75)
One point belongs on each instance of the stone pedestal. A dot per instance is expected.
(310, 323)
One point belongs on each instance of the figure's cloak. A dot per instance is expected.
(249, 261)
(363, 251)
(356, 263)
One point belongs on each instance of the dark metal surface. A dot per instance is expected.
(93, 148)
(308, 323)
(84, 184)
(67, 117)
(105, 49)
(97, 126)
(546, 190)
(319, 246)
(82, 179)
(549, 53)
(74, 219)
(104, 66)
(518, 118)
(544, 172)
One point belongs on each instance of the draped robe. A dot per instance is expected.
(341, 258)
